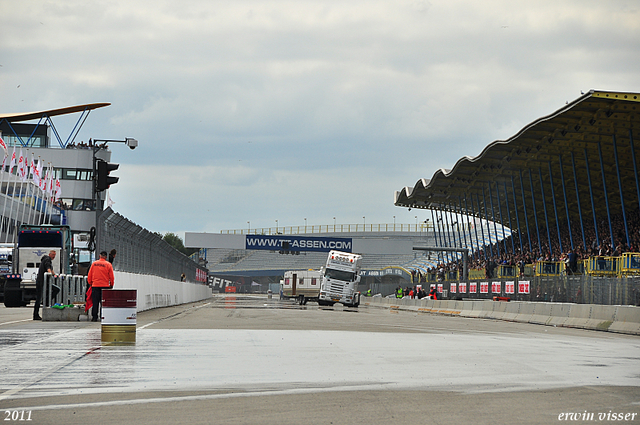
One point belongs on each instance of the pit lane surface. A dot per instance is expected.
(235, 359)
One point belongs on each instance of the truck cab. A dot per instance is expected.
(341, 276)
(19, 286)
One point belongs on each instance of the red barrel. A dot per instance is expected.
(119, 298)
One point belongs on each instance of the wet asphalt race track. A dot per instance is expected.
(248, 359)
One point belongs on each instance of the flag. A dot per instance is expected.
(13, 160)
(32, 167)
(58, 192)
(4, 147)
(21, 162)
(50, 182)
(43, 180)
(109, 201)
(36, 170)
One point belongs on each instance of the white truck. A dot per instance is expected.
(303, 285)
(340, 278)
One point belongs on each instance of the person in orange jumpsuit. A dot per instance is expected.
(100, 276)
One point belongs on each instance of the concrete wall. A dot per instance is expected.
(612, 318)
(154, 291)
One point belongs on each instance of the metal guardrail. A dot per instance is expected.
(72, 289)
(337, 228)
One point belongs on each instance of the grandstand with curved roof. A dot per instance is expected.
(573, 172)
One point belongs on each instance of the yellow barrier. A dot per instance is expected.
(475, 274)
(506, 271)
(549, 268)
(629, 264)
(529, 270)
(602, 266)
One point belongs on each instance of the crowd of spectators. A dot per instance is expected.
(89, 145)
(509, 252)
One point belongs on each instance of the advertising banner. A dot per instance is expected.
(473, 287)
(496, 287)
(484, 287)
(298, 243)
(509, 287)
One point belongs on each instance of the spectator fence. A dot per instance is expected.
(140, 251)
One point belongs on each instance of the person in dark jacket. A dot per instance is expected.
(112, 255)
(46, 266)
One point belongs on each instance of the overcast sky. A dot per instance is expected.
(257, 111)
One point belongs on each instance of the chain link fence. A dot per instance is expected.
(140, 251)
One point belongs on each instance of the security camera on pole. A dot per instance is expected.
(102, 169)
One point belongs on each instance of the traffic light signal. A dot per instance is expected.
(103, 180)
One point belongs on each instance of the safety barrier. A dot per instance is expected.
(64, 297)
(71, 289)
(629, 264)
(506, 271)
(602, 266)
(611, 318)
(549, 268)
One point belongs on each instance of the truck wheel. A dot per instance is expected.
(13, 298)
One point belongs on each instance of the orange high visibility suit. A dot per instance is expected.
(101, 274)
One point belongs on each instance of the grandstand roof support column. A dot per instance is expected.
(486, 216)
(493, 218)
(535, 213)
(566, 205)
(447, 232)
(606, 196)
(544, 206)
(624, 214)
(435, 228)
(475, 228)
(504, 238)
(555, 207)
(484, 241)
(515, 207)
(635, 167)
(593, 206)
(454, 214)
(524, 205)
(575, 180)
(453, 235)
(506, 201)
(464, 233)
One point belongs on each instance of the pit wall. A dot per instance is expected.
(611, 318)
(154, 291)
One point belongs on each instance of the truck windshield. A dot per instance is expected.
(339, 275)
